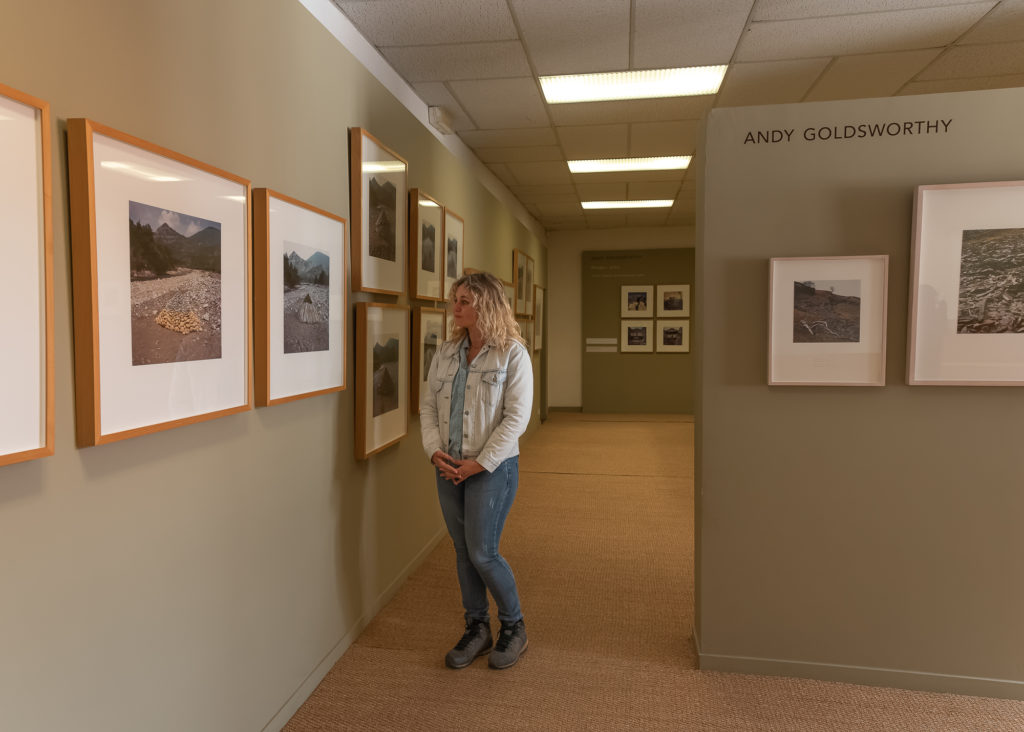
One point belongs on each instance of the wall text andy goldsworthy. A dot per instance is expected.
(850, 132)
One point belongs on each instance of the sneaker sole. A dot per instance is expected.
(514, 662)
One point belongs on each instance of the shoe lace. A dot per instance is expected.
(505, 638)
(467, 637)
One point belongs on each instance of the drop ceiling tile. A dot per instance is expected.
(501, 103)
(650, 191)
(651, 217)
(436, 94)
(790, 9)
(503, 173)
(652, 110)
(682, 217)
(873, 75)
(586, 142)
(1005, 23)
(564, 223)
(536, 194)
(670, 33)
(540, 173)
(844, 35)
(560, 208)
(458, 61)
(574, 36)
(601, 191)
(769, 82)
(964, 62)
(941, 86)
(416, 22)
(631, 177)
(605, 219)
(522, 137)
(663, 138)
(519, 154)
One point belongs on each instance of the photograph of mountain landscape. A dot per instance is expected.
(383, 197)
(175, 276)
(991, 297)
(306, 299)
(826, 311)
(385, 374)
(429, 233)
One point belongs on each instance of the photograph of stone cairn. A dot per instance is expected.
(429, 235)
(991, 281)
(383, 197)
(307, 290)
(385, 375)
(175, 279)
(826, 311)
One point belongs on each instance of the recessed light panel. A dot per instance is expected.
(624, 165)
(647, 84)
(663, 203)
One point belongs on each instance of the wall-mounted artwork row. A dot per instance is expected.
(378, 188)
(428, 333)
(827, 321)
(300, 305)
(26, 279)
(522, 281)
(454, 249)
(538, 318)
(160, 266)
(382, 376)
(426, 246)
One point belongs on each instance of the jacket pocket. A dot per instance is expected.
(492, 385)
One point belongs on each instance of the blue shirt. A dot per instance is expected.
(458, 402)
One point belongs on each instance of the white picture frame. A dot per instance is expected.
(673, 301)
(672, 336)
(637, 336)
(636, 301)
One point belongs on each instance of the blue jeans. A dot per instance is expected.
(475, 513)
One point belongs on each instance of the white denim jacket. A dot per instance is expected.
(499, 397)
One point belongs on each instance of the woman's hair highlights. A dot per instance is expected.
(495, 319)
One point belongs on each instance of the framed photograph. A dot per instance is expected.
(637, 301)
(510, 294)
(637, 336)
(454, 249)
(380, 194)
(538, 318)
(300, 284)
(672, 336)
(160, 266)
(526, 329)
(428, 333)
(26, 279)
(382, 376)
(827, 321)
(673, 301)
(967, 290)
(425, 250)
(522, 282)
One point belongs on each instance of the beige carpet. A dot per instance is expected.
(601, 541)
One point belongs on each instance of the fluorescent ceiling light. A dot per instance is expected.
(632, 84)
(623, 165)
(384, 166)
(664, 203)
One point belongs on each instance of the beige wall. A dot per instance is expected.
(564, 297)
(204, 578)
(852, 533)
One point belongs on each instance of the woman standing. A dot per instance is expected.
(473, 410)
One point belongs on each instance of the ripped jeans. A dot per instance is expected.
(475, 512)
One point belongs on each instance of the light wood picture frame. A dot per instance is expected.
(510, 294)
(300, 293)
(672, 336)
(637, 336)
(382, 376)
(26, 279)
(426, 247)
(379, 191)
(429, 329)
(673, 301)
(636, 301)
(454, 250)
(526, 329)
(966, 319)
(522, 283)
(538, 318)
(827, 320)
(161, 254)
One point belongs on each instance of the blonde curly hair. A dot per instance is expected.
(495, 319)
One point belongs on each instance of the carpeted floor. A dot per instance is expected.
(601, 541)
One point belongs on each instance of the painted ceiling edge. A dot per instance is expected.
(339, 26)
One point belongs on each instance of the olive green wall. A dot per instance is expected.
(616, 382)
(867, 534)
(204, 578)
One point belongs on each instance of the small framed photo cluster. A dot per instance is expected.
(640, 332)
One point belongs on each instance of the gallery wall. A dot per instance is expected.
(865, 534)
(206, 577)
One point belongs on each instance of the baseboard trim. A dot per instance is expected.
(308, 686)
(866, 675)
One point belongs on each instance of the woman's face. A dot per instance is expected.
(462, 310)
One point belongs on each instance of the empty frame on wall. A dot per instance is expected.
(382, 376)
(300, 304)
(26, 279)
(160, 267)
(378, 187)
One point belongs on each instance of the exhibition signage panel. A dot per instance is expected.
(378, 188)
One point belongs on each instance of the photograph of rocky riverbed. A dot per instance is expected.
(306, 299)
(991, 282)
(175, 286)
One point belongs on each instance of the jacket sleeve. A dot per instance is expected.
(518, 403)
(429, 429)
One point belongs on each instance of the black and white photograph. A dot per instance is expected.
(673, 301)
(428, 234)
(454, 234)
(636, 336)
(174, 266)
(672, 336)
(637, 301)
(307, 289)
(826, 311)
(383, 212)
(991, 296)
(385, 374)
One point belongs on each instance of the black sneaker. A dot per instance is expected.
(511, 645)
(475, 642)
